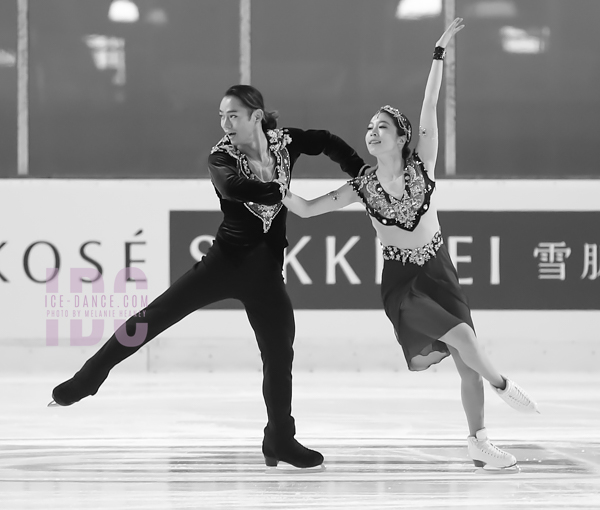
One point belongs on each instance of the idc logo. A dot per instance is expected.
(74, 307)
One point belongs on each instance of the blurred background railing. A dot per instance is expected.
(130, 88)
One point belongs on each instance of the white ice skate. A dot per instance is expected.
(483, 453)
(516, 397)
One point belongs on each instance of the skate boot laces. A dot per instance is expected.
(516, 397)
(483, 451)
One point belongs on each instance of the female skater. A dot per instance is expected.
(250, 168)
(420, 290)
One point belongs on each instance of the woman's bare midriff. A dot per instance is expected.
(395, 236)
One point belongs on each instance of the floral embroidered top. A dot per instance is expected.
(404, 212)
(252, 209)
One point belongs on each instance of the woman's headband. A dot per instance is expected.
(403, 121)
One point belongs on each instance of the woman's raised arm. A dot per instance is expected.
(427, 146)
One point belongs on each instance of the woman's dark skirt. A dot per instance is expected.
(424, 303)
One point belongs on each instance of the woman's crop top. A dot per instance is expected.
(404, 212)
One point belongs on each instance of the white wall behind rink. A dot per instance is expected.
(67, 212)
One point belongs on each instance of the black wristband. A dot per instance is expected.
(439, 53)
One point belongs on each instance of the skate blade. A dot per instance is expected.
(284, 467)
(53, 404)
(491, 470)
(527, 410)
(531, 410)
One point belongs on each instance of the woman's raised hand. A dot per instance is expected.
(453, 28)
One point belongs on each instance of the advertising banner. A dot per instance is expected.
(78, 257)
(518, 260)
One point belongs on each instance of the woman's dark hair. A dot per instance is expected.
(406, 150)
(405, 130)
(252, 99)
